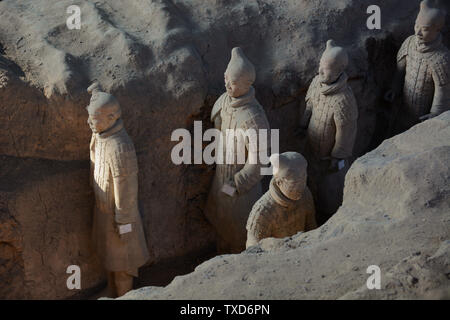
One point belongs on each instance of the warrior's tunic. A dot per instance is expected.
(427, 78)
(114, 171)
(331, 117)
(229, 214)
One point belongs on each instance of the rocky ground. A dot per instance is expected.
(395, 214)
(164, 61)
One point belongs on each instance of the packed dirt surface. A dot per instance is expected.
(164, 61)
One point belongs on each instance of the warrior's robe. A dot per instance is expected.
(114, 176)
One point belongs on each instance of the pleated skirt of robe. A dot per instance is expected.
(118, 254)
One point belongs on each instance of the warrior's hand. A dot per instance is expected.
(123, 229)
(229, 189)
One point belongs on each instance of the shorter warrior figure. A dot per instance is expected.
(423, 64)
(288, 206)
(330, 121)
(117, 228)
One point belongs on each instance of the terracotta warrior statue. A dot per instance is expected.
(331, 110)
(330, 121)
(423, 70)
(288, 206)
(118, 234)
(236, 185)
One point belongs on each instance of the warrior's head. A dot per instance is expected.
(104, 110)
(333, 63)
(429, 22)
(240, 74)
(289, 172)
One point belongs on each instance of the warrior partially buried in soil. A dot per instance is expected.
(288, 206)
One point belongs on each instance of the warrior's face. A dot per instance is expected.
(425, 30)
(291, 189)
(328, 73)
(100, 122)
(235, 88)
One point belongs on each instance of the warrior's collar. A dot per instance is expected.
(279, 197)
(242, 100)
(114, 129)
(334, 87)
(424, 47)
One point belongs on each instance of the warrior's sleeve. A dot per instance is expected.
(441, 77)
(215, 112)
(258, 224)
(92, 157)
(250, 174)
(124, 170)
(304, 122)
(345, 119)
(403, 51)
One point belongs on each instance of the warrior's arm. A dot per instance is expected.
(441, 100)
(124, 171)
(92, 162)
(125, 197)
(251, 240)
(257, 226)
(399, 77)
(215, 112)
(304, 122)
(399, 74)
(250, 174)
(441, 78)
(345, 119)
